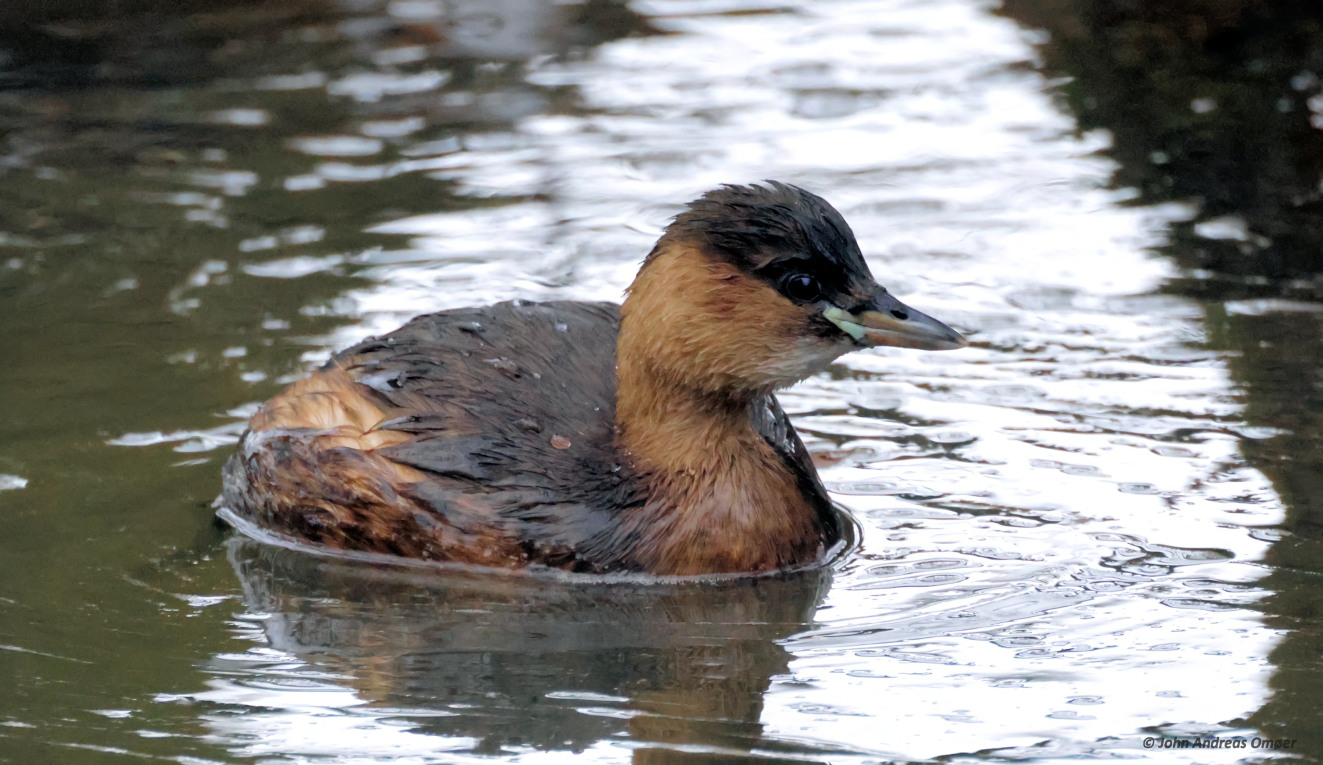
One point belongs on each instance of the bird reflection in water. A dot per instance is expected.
(511, 661)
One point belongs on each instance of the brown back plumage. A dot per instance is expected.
(589, 436)
(480, 435)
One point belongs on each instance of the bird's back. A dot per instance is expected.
(479, 435)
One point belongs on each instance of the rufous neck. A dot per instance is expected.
(675, 429)
(675, 409)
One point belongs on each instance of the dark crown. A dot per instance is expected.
(756, 226)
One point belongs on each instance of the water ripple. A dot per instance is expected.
(1057, 517)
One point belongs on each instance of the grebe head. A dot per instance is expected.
(753, 288)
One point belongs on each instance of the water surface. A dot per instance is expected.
(1071, 533)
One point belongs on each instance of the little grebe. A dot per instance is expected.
(589, 436)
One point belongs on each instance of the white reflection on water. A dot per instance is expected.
(1057, 522)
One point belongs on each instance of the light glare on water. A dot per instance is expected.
(1040, 562)
(1060, 538)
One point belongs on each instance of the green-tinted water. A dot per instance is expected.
(1097, 524)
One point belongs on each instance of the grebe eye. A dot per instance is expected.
(801, 287)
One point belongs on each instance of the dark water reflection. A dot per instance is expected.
(554, 667)
(1096, 524)
(1215, 103)
(1232, 127)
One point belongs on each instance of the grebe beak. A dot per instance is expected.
(884, 320)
